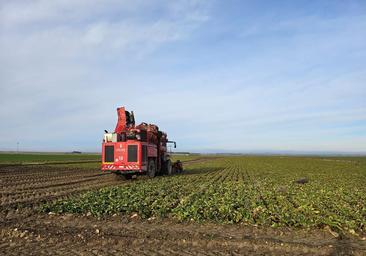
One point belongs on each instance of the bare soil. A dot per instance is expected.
(25, 231)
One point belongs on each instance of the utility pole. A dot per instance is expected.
(18, 147)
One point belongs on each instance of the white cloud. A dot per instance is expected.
(52, 56)
(66, 65)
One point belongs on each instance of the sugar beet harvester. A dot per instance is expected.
(131, 149)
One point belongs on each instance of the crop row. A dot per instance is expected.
(253, 190)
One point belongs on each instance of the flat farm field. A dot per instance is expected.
(43, 158)
(237, 205)
(272, 191)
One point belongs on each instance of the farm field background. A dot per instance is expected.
(50, 158)
(29, 158)
(244, 205)
(251, 190)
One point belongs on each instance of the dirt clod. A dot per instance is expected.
(303, 180)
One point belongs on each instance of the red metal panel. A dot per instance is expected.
(120, 153)
(152, 151)
(120, 157)
(121, 124)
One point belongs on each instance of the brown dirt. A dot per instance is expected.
(24, 231)
(30, 185)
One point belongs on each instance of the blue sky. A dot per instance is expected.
(218, 76)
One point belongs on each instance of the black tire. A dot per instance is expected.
(168, 167)
(120, 176)
(151, 169)
(127, 176)
(117, 176)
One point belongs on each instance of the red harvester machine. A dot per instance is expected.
(134, 149)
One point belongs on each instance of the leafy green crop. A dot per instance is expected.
(253, 190)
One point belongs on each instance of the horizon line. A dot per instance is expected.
(259, 152)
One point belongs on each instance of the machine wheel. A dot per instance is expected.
(168, 167)
(178, 167)
(151, 169)
(117, 176)
(127, 176)
(120, 176)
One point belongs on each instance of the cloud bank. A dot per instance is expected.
(216, 77)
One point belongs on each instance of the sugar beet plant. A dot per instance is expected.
(253, 190)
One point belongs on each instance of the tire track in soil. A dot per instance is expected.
(26, 232)
(32, 184)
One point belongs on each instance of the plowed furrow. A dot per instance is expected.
(48, 187)
(45, 173)
(27, 184)
(33, 199)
